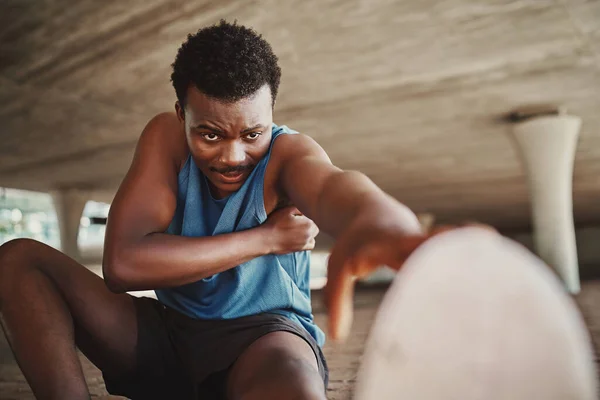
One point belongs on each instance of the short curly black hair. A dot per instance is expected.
(225, 61)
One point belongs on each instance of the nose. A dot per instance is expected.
(233, 154)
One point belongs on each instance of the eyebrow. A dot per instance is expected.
(215, 130)
(248, 130)
(208, 128)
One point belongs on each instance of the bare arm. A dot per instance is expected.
(333, 198)
(137, 254)
(371, 228)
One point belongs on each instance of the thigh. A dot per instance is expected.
(105, 323)
(158, 373)
(279, 365)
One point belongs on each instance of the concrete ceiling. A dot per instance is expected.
(410, 92)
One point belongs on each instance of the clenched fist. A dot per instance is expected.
(290, 231)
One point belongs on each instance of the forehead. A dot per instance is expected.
(254, 109)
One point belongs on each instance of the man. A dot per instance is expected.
(203, 217)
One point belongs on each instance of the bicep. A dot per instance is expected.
(146, 199)
(305, 170)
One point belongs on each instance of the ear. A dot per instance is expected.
(180, 112)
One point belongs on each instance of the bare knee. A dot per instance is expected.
(17, 251)
(16, 256)
(19, 245)
(285, 377)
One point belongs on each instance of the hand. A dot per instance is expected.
(290, 231)
(360, 250)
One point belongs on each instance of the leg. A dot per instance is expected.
(279, 365)
(472, 315)
(49, 305)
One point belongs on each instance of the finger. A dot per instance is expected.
(301, 217)
(295, 212)
(302, 221)
(405, 248)
(291, 210)
(338, 296)
(314, 230)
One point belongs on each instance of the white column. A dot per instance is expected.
(69, 205)
(548, 146)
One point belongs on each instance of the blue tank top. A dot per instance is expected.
(272, 283)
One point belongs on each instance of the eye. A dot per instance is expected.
(253, 135)
(211, 137)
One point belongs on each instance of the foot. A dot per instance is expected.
(473, 315)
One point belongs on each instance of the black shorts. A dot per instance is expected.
(179, 357)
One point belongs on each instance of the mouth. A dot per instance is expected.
(231, 177)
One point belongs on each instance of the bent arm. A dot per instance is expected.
(137, 254)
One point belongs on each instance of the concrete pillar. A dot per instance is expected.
(69, 205)
(547, 145)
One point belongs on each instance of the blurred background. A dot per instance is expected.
(432, 99)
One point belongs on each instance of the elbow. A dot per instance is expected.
(114, 286)
(116, 278)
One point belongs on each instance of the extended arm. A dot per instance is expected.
(371, 228)
(333, 198)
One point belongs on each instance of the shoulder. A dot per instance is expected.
(293, 146)
(164, 137)
(289, 152)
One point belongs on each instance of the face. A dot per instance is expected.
(227, 140)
